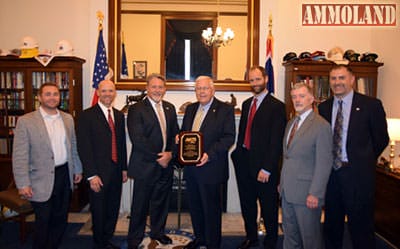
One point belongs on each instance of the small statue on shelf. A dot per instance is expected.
(131, 99)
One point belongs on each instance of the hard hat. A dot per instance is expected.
(29, 42)
(368, 57)
(64, 48)
(336, 55)
(29, 47)
(351, 55)
(291, 56)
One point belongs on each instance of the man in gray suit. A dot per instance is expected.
(46, 165)
(307, 162)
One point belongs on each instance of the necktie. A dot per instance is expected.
(247, 135)
(293, 130)
(114, 154)
(337, 137)
(163, 124)
(198, 119)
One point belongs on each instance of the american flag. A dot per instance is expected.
(100, 66)
(269, 69)
(124, 67)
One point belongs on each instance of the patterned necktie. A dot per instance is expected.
(337, 137)
(114, 154)
(163, 124)
(293, 130)
(198, 119)
(247, 135)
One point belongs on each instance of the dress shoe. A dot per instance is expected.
(164, 239)
(192, 244)
(112, 246)
(248, 243)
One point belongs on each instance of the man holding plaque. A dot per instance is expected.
(256, 159)
(152, 127)
(216, 123)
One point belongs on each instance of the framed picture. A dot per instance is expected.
(139, 69)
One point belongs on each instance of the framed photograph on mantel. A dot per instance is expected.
(139, 69)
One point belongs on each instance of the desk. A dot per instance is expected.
(387, 205)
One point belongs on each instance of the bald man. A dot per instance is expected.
(102, 149)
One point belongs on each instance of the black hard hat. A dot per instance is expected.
(305, 56)
(369, 57)
(351, 55)
(291, 56)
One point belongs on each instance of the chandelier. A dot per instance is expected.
(217, 39)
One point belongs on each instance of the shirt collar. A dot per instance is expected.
(103, 107)
(346, 99)
(46, 115)
(261, 95)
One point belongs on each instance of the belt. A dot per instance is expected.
(345, 164)
(61, 165)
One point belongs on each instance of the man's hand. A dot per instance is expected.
(262, 176)
(124, 176)
(96, 184)
(25, 192)
(312, 201)
(203, 160)
(164, 158)
(77, 178)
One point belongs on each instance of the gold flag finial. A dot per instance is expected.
(270, 24)
(100, 17)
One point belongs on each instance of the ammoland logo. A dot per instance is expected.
(349, 14)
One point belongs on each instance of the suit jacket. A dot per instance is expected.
(145, 134)
(94, 142)
(33, 158)
(367, 137)
(307, 162)
(218, 129)
(266, 136)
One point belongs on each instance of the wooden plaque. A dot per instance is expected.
(190, 148)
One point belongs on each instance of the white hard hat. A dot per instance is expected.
(64, 48)
(29, 42)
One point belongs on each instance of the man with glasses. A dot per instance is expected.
(215, 120)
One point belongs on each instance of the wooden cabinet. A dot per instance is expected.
(387, 205)
(20, 80)
(316, 73)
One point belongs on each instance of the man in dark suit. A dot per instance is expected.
(256, 159)
(46, 165)
(215, 120)
(102, 149)
(358, 142)
(152, 126)
(307, 163)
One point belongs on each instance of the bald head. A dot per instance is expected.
(106, 92)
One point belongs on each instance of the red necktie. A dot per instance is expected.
(114, 155)
(293, 130)
(247, 136)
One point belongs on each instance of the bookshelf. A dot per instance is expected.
(20, 80)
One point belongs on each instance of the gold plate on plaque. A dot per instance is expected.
(190, 147)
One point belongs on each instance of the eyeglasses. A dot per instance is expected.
(204, 88)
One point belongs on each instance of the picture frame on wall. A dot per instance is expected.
(139, 69)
